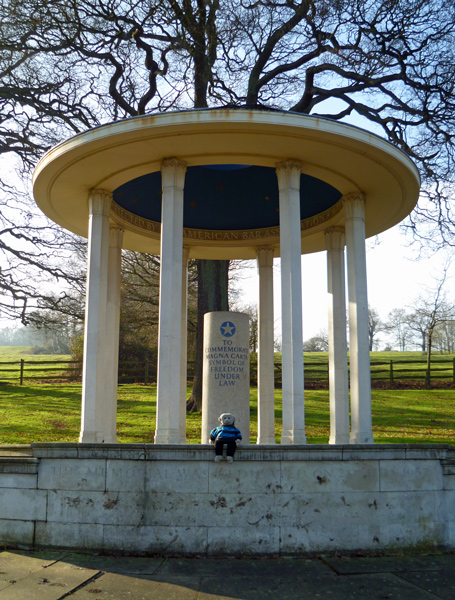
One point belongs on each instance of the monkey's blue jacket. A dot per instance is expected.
(226, 432)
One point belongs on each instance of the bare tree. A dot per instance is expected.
(317, 343)
(418, 328)
(397, 325)
(444, 335)
(69, 65)
(375, 326)
(431, 311)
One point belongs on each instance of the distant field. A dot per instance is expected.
(38, 412)
(396, 369)
(11, 356)
(15, 353)
(51, 413)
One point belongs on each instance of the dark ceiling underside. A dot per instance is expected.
(226, 197)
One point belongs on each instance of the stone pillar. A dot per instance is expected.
(266, 355)
(359, 351)
(112, 334)
(226, 371)
(184, 345)
(338, 361)
(95, 332)
(293, 432)
(170, 310)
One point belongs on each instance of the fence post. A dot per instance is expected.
(21, 376)
(391, 372)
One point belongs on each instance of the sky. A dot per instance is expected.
(395, 278)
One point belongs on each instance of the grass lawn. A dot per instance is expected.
(51, 413)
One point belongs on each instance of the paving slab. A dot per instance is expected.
(250, 588)
(238, 567)
(377, 586)
(381, 586)
(15, 566)
(57, 576)
(112, 586)
(388, 564)
(116, 564)
(48, 583)
(440, 582)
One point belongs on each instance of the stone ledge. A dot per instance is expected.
(448, 466)
(16, 450)
(252, 452)
(19, 466)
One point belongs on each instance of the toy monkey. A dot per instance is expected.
(227, 435)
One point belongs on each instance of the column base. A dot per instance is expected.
(339, 439)
(296, 436)
(361, 438)
(167, 436)
(263, 441)
(299, 436)
(286, 437)
(92, 437)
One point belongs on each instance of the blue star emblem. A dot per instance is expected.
(227, 329)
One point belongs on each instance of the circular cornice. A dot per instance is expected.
(346, 158)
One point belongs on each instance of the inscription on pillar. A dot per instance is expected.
(226, 370)
(227, 362)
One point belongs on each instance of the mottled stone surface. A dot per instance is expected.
(272, 500)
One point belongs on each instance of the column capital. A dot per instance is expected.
(288, 173)
(334, 238)
(115, 236)
(100, 202)
(264, 255)
(173, 172)
(354, 205)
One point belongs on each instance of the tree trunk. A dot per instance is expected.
(428, 371)
(424, 341)
(212, 295)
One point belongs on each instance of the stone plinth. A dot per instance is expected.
(173, 499)
(226, 371)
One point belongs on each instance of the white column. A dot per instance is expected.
(112, 334)
(170, 311)
(95, 333)
(184, 345)
(266, 381)
(338, 362)
(359, 352)
(293, 432)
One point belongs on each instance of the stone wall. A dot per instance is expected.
(271, 500)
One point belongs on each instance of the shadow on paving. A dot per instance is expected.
(52, 575)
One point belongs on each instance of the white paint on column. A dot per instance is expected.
(226, 371)
(359, 352)
(338, 363)
(95, 338)
(184, 345)
(288, 174)
(266, 353)
(170, 310)
(112, 333)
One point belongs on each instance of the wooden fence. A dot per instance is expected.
(391, 371)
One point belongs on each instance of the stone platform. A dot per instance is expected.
(273, 500)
